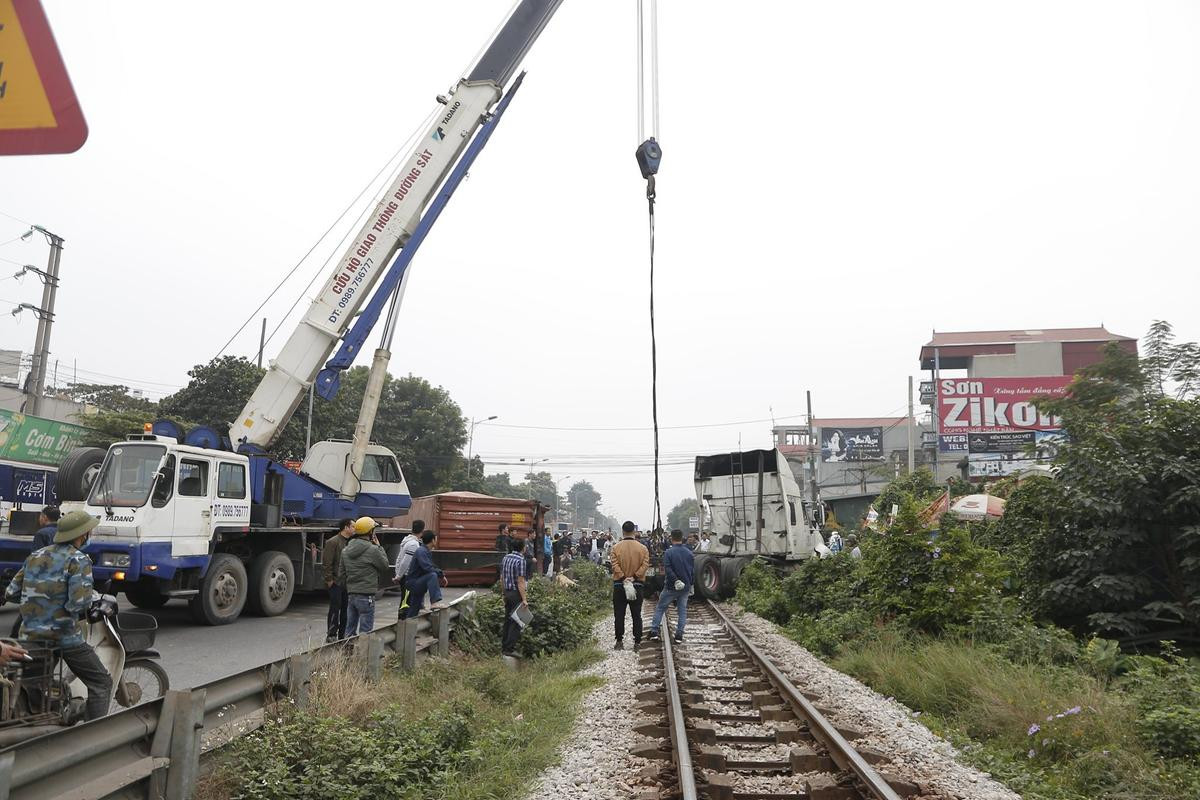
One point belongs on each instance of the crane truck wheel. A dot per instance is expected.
(222, 592)
(272, 581)
(77, 473)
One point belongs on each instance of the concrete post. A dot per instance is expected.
(440, 622)
(374, 655)
(407, 644)
(299, 678)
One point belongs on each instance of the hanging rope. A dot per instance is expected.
(649, 155)
(650, 195)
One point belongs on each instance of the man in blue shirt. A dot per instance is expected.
(424, 577)
(512, 574)
(679, 569)
(48, 526)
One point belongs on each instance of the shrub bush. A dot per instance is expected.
(561, 619)
(760, 590)
(1167, 691)
(928, 583)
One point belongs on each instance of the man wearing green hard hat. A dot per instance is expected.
(54, 587)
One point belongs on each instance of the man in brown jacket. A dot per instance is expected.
(630, 559)
(331, 558)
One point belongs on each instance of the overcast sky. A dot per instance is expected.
(839, 179)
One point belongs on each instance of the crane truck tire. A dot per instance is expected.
(77, 473)
(272, 581)
(222, 592)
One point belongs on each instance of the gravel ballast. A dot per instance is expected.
(594, 761)
(914, 751)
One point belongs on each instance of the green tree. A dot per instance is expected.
(114, 412)
(216, 393)
(677, 517)
(584, 503)
(419, 422)
(1125, 556)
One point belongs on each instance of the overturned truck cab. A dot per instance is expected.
(751, 507)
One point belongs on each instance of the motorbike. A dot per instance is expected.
(39, 695)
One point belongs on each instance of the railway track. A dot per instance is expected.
(734, 727)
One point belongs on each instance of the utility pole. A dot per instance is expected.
(41, 347)
(812, 455)
(912, 450)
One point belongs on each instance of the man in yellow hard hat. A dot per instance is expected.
(364, 567)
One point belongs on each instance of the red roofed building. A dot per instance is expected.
(1020, 353)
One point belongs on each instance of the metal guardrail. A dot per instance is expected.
(152, 751)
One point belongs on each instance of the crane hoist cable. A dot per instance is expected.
(649, 156)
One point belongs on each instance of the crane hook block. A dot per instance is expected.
(649, 156)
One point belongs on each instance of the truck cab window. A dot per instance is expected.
(193, 478)
(165, 484)
(231, 481)
(380, 468)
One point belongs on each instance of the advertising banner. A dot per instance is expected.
(996, 405)
(34, 440)
(852, 444)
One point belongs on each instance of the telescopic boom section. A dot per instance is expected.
(387, 229)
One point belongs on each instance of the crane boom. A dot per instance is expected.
(387, 229)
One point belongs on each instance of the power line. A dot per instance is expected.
(661, 427)
(18, 219)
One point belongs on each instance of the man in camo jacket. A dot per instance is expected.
(54, 587)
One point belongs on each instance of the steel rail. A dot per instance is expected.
(676, 721)
(840, 750)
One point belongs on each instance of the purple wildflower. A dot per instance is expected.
(1034, 728)
(1032, 753)
(1073, 710)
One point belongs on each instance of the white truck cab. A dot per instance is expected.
(160, 503)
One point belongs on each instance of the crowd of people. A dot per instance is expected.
(357, 570)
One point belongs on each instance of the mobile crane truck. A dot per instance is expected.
(210, 516)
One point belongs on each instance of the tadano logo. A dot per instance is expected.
(439, 134)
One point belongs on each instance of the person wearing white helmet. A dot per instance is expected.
(364, 567)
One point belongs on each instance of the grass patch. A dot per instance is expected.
(1050, 732)
(469, 729)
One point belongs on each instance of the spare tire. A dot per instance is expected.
(77, 473)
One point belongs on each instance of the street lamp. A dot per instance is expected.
(556, 483)
(529, 482)
(471, 440)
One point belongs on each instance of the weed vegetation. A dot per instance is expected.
(464, 729)
(927, 619)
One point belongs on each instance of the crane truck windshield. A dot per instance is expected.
(127, 476)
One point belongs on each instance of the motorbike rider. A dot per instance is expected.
(55, 589)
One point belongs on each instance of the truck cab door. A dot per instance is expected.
(193, 506)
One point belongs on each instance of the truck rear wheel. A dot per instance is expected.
(731, 570)
(708, 576)
(272, 581)
(222, 592)
(77, 473)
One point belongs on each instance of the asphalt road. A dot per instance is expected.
(195, 654)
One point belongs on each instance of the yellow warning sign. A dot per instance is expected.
(39, 112)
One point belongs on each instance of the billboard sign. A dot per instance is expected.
(996, 405)
(34, 440)
(852, 444)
